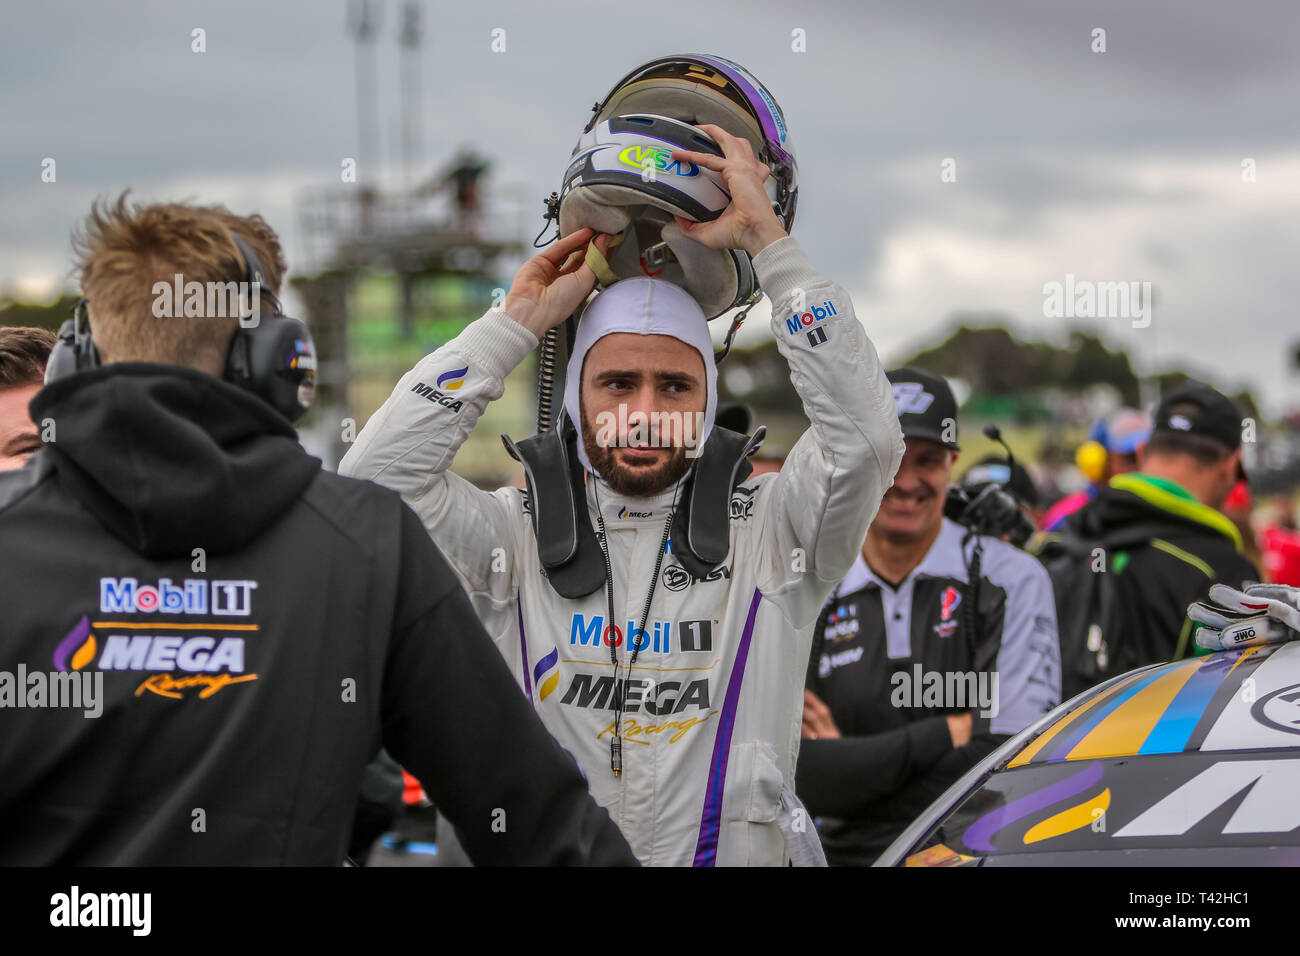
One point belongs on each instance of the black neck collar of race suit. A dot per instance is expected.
(566, 541)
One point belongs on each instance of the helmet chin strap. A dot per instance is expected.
(598, 264)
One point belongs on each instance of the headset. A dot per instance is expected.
(274, 358)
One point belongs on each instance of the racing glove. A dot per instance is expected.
(1261, 614)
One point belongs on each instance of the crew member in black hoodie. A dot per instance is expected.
(1173, 505)
(206, 637)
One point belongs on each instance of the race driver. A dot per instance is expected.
(707, 673)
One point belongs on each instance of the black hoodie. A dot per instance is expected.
(1189, 547)
(261, 627)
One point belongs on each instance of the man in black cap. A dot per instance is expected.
(1171, 506)
(938, 645)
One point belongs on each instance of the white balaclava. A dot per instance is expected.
(643, 306)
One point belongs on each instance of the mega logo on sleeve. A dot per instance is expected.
(448, 381)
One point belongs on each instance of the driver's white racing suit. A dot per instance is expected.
(712, 709)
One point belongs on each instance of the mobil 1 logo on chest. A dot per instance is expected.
(658, 637)
(191, 596)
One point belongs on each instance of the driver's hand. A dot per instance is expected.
(552, 284)
(748, 222)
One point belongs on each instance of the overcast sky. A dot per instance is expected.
(1117, 166)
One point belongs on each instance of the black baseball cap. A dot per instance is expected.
(1211, 415)
(926, 406)
(1214, 415)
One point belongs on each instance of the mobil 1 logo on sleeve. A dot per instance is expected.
(808, 322)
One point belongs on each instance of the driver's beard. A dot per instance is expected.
(633, 482)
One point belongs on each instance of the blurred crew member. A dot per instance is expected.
(203, 618)
(1284, 512)
(1187, 469)
(1280, 543)
(1239, 508)
(23, 352)
(1111, 449)
(937, 645)
(1012, 477)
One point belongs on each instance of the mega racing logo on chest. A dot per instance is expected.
(177, 654)
(647, 708)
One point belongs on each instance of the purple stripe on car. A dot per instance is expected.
(706, 847)
(979, 835)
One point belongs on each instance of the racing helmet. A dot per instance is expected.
(622, 180)
(700, 89)
(663, 101)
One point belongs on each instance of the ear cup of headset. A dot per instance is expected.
(75, 350)
(63, 357)
(276, 361)
(275, 358)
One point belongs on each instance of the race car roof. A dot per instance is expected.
(1232, 700)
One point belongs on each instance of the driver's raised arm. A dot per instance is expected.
(409, 443)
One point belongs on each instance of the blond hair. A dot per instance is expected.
(124, 251)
